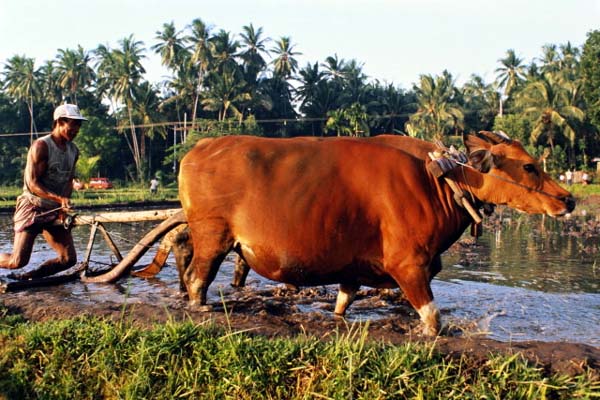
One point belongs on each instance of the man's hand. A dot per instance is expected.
(65, 203)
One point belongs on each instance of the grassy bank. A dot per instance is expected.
(91, 358)
(95, 198)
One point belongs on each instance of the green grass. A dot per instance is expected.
(579, 190)
(87, 358)
(94, 197)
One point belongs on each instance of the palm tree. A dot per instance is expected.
(146, 110)
(21, 81)
(227, 92)
(201, 47)
(334, 67)
(309, 77)
(354, 79)
(349, 121)
(170, 46)
(74, 70)
(224, 50)
(183, 88)
(550, 59)
(391, 105)
(555, 106)
(510, 74)
(120, 72)
(285, 63)
(481, 100)
(49, 83)
(253, 47)
(438, 111)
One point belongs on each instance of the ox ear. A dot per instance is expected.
(480, 156)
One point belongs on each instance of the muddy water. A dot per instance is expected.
(527, 279)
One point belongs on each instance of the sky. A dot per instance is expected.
(395, 40)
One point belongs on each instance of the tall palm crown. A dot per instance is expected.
(74, 71)
(285, 63)
(21, 81)
(224, 50)
(170, 46)
(554, 104)
(49, 83)
(253, 47)
(511, 72)
(438, 110)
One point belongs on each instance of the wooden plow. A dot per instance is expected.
(171, 220)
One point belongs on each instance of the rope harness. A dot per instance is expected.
(446, 159)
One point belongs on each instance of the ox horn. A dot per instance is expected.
(496, 137)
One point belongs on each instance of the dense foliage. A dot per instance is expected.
(221, 83)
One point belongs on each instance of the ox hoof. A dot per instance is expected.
(194, 306)
(339, 315)
(430, 331)
(204, 308)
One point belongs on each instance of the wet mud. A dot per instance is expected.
(278, 312)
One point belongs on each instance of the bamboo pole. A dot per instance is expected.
(124, 216)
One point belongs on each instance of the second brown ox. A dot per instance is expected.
(314, 212)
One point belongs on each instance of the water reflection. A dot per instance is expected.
(530, 252)
(531, 278)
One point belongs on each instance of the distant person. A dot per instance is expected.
(154, 186)
(47, 188)
(561, 178)
(569, 177)
(585, 178)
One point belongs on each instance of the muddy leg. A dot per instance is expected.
(345, 297)
(61, 241)
(199, 276)
(414, 282)
(183, 251)
(211, 243)
(240, 273)
(22, 247)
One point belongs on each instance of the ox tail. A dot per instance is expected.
(138, 250)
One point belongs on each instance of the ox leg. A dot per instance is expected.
(183, 251)
(210, 246)
(240, 272)
(345, 297)
(200, 275)
(414, 281)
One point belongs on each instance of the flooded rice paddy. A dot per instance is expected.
(526, 278)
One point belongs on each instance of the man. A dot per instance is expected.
(46, 197)
(154, 186)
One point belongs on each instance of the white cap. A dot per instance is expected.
(70, 111)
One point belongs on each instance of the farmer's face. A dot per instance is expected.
(69, 128)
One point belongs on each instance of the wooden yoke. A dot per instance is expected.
(460, 194)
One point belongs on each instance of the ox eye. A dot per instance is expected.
(530, 168)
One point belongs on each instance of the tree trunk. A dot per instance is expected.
(135, 144)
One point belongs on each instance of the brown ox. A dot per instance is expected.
(180, 242)
(314, 212)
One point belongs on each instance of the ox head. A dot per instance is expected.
(509, 175)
